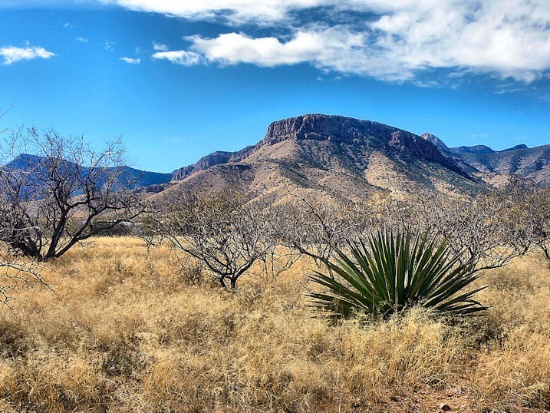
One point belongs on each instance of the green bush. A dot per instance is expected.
(393, 271)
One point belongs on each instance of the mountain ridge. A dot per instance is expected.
(346, 157)
(140, 179)
(337, 155)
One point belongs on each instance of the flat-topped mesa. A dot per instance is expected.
(340, 129)
(359, 135)
(320, 127)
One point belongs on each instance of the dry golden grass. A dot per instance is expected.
(127, 332)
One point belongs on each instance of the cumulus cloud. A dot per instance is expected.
(379, 38)
(131, 61)
(180, 57)
(13, 54)
(236, 11)
(334, 49)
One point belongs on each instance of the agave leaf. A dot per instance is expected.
(392, 271)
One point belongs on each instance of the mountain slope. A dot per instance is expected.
(490, 165)
(36, 165)
(335, 155)
(529, 163)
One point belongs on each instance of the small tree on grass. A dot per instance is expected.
(57, 191)
(223, 231)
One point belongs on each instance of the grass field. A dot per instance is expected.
(128, 331)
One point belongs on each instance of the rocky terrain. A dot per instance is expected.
(337, 155)
(353, 158)
(348, 158)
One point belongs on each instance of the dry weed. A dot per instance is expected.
(125, 332)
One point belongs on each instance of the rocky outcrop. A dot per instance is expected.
(444, 149)
(215, 158)
(324, 127)
(339, 129)
(472, 149)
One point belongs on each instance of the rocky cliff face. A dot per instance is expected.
(339, 129)
(357, 135)
(215, 158)
(332, 129)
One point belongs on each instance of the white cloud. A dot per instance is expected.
(330, 49)
(395, 39)
(13, 54)
(82, 39)
(131, 61)
(159, 47)
(237, 11)
(180, 57)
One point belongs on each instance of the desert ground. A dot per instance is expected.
(124, 329)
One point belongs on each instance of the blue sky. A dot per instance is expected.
(177, 80)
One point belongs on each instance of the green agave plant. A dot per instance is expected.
(394, 271)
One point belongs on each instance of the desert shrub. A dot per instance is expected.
(13, 342)
(394, 271)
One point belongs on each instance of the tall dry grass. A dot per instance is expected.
(130, 331)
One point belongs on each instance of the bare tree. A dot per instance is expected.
(482, 228)
(221, 230)
(316, 226)
(57, 191)
(17, 274)
(538, 214)
(150, 229)
(528, 215)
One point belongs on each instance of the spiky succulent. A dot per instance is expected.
(393, 271)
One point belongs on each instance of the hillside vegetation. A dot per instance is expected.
(127, 330)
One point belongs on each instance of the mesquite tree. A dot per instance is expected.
(483, 228)
(14, 272)
(316, 226)
(222, 230)
(56, 191)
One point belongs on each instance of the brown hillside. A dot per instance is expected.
(343, 157)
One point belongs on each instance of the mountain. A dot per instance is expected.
(149, 181)
(496, 167)
(528, 163)
(340, 157)
(35, 165)
(335, 155)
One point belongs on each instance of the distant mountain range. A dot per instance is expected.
(520, 161)
(349, 158)
(138, 179)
